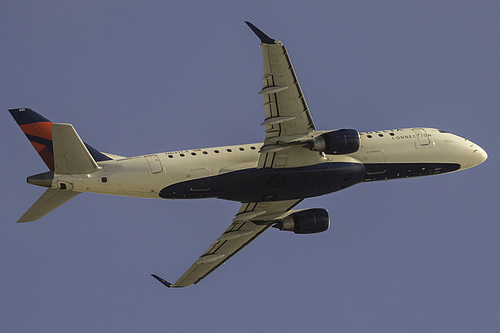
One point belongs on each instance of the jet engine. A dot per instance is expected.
(308, 221)
(339, 142)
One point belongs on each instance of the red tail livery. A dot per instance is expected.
(39, 131)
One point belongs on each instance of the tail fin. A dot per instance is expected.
(38, 130)
(70, 154)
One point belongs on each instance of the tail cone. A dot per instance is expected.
(42, 179)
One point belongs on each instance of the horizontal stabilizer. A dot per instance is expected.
(71, 156)
(50, 200)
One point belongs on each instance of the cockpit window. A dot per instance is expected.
(441, 131)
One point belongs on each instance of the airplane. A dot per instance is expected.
(296, 161)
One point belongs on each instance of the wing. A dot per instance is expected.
(287, 121)
(239, 234)
(286, 110)
(287, 115)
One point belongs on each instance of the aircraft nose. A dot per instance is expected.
(473, 155)
(464, 152)
(480, 154)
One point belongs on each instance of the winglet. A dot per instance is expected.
(265, 39)
(164, 282)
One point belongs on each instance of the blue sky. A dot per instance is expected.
(134, 78)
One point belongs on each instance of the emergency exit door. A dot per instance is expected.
(154, 164)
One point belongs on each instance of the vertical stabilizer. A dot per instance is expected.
(70, 154)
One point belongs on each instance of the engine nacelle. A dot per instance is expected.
(307, 221)
(339, 142)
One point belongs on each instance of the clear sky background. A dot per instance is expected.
(416, 255)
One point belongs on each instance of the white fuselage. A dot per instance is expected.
(385, 154)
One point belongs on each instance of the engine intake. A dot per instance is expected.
(307, 221)
(339, 142)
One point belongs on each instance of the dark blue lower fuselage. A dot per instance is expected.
(257, 185)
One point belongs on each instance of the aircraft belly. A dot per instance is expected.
(257, 185)
(386, 171)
